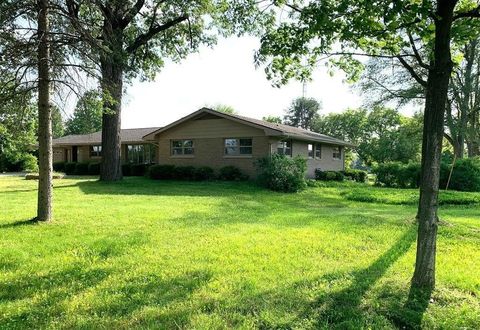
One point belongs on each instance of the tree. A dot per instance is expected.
(302, 112)
(225, 109)
(87, 115)
(45, 153)
(273, 119)
(382, 29)
(58, 127)
(131, 39)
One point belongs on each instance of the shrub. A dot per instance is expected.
(94, 169)
(280, 173)
(29, 163)
(328, 175)
(126, 169)
(184, 173)
(81, 169)
(161, 172)
(203, 173)
(356, 175)
(387, 174)
(231, 173)
(70, 168)
(466, 175)
(138, 169)
(59, 166)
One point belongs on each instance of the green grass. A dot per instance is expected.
(150, 254)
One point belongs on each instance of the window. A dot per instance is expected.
(238, 147)
(182, 147)
(284, 148)
(310, 151)
(337, 153)
(318, 151)
(141, 154)
(95, 151)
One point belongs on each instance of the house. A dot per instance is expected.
(211, 138)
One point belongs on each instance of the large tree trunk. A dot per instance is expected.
(112, 88)
(44, 206)
(436, 100)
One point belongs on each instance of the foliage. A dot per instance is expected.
(94, 168)
(466, 175)
(29, 163)
(126, 169)
(138, 243)
(70, 168)
(184, 173)
(87, 115)
(303, 112)
(161, 172)
(81, 168)
(203, 173)
(225, 109)
(231, 173)
(59, 166)
(381, 135)
(138, 169)
(58, 127)
(273, 119)
(356, 175)
(280, 173)
(328, 175)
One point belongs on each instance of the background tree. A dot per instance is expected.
(224, 108)
(394, 30)
(131, 39)
(87, 115)
(303, 112)
(273, 119)
(58, 127)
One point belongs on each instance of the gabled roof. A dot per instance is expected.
(127, 135)
(271, 129)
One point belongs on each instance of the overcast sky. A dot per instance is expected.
(225, 75)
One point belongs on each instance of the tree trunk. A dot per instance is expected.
(436, 101)
(44, 206)
(112, 88)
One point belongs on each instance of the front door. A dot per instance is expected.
(74, 154)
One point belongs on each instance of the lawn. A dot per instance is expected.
(151, 254)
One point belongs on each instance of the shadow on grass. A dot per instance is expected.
(19, 223)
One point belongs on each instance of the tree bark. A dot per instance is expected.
(112, 88)
(44, 205)
(436, 101)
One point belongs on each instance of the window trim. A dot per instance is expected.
(339, 153)
(317, 147)
(238, 146)
(148, 150)
(182, 155)
(285, 147)
(94, 153)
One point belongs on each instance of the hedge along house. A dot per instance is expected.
(211, 138)
(215, 139)
(88, 147)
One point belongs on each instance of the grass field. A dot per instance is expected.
(150, 254)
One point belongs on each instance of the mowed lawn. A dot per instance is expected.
(166, 255)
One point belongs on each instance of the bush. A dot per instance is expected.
(81, 169)
(184, 172)
(29, 163)
(328, 175)
(466, 175)
(387, 174)
(59, 167)
(161, 172)
(70, 168)
(231, 173)
(94, 169)
(138, 169)
(280, 173)
(126, 169)
(356, 175)
(203, 173)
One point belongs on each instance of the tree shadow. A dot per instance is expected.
(19, 223)
(412, 312)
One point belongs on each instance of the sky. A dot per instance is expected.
(225, 74)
